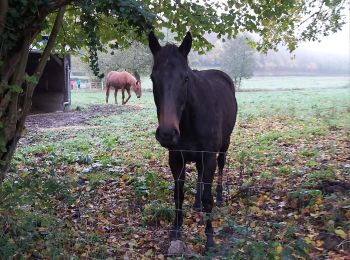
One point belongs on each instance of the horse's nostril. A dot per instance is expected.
(167, 136)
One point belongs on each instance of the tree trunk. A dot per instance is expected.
(15, 106)
(3, 11)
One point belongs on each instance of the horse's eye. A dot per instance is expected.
(186, 78)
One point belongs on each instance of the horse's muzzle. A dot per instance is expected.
(167, 137)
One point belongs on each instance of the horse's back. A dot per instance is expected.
(217, 86)
(119, 78)
(218, 94)
(220, 79)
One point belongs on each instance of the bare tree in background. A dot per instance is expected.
(238, 59)
(136, 59)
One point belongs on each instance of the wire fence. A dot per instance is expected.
(93, 224)
(156, 231)
(228, 184)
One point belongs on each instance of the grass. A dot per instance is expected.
(296, 82)
(107, 191)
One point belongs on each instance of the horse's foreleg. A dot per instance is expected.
(221, 162)
(177, 166)
(123, 96)
(115, 96)
(127, 90)
(208, 166)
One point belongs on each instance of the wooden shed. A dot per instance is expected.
(53, 92)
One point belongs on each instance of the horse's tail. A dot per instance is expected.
(108, 86)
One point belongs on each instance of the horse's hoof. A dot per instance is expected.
(174, 235)
(210, 244)
(179, 248)
(219, 203)
(197, 207)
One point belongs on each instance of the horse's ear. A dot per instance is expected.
(186, 44)
(153, 43)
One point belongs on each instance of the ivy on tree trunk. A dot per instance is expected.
(15, 105)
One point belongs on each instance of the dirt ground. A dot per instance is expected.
(76, 117)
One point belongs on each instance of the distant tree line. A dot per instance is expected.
(301, 62)
(234, 56)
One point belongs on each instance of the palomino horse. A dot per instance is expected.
(196, 114)
(122, 80)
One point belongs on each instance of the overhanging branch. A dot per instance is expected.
(50, 44)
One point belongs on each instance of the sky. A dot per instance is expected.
(338, 43)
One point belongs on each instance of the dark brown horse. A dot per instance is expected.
(122, 80)
(196, 114)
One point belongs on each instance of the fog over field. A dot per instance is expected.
(302, 62)
(330, 56)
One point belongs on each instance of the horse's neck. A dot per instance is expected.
(190, 108)
(192, 94)
(132, 82)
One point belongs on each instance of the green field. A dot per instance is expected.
(252, 104)
(102, 188)
(285, 82)
(296, 82)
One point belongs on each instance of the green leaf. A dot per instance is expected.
(15, 88)
(3, 146)
(287, 254)
(31, 79)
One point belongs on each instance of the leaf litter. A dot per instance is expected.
(286, 193)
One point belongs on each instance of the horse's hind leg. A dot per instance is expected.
(107, 93)
(221, 163)
(115, 96)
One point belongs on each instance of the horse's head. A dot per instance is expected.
(170, 77)
(137, 88)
